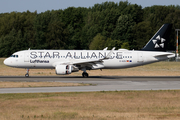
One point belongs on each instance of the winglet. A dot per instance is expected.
(105, 48)
(110, 53)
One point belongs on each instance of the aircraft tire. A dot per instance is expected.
(26, 75)
(85, 75)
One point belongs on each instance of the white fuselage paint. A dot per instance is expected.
(40, 59)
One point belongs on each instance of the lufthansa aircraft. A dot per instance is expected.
(68, 61)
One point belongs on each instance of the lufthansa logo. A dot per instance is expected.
(39, 61)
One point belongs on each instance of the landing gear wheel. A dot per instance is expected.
(26, 75)
(85, 75)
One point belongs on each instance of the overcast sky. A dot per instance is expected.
(44, 5)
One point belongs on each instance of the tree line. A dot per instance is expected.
(120, 25)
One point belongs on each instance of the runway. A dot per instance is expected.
(99, 83)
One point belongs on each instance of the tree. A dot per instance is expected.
(125, 45)
(113, 43)
(116, 24)
(97, 43)
(56, 35)
(142, 33)
(124, 29)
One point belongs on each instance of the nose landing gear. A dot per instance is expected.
(27, 73)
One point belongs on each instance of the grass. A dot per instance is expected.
(126, 105)
(117, 105)
(155, 69)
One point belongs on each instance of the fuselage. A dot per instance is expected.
(68, 61)
(40, 59)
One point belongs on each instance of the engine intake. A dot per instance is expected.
(63, 69)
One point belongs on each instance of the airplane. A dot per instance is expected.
(67, 61)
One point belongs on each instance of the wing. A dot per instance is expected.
(94, 60)
(92, 63)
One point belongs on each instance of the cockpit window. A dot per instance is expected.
(12, 55)
(15, 56)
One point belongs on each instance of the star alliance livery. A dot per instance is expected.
(68, 61)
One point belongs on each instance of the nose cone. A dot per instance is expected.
(7, 62)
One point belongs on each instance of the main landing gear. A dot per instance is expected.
(85, 75)
(27, 73)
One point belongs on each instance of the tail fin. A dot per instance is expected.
(159, 41)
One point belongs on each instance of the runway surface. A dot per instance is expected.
(99, 83)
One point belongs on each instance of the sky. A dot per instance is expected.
(44, 5)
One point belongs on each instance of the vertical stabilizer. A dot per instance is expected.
(159, 41)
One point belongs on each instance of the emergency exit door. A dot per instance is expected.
(140, 57)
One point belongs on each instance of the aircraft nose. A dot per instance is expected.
(7, 62)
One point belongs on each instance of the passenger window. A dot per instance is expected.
(16, 56)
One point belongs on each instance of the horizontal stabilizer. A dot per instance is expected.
(168, 55)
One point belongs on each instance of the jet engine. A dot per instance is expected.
(63, 69)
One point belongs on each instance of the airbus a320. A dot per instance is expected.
(67, 61)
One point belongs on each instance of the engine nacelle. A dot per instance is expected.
(63, 69)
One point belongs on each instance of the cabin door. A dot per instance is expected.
(26, 57)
